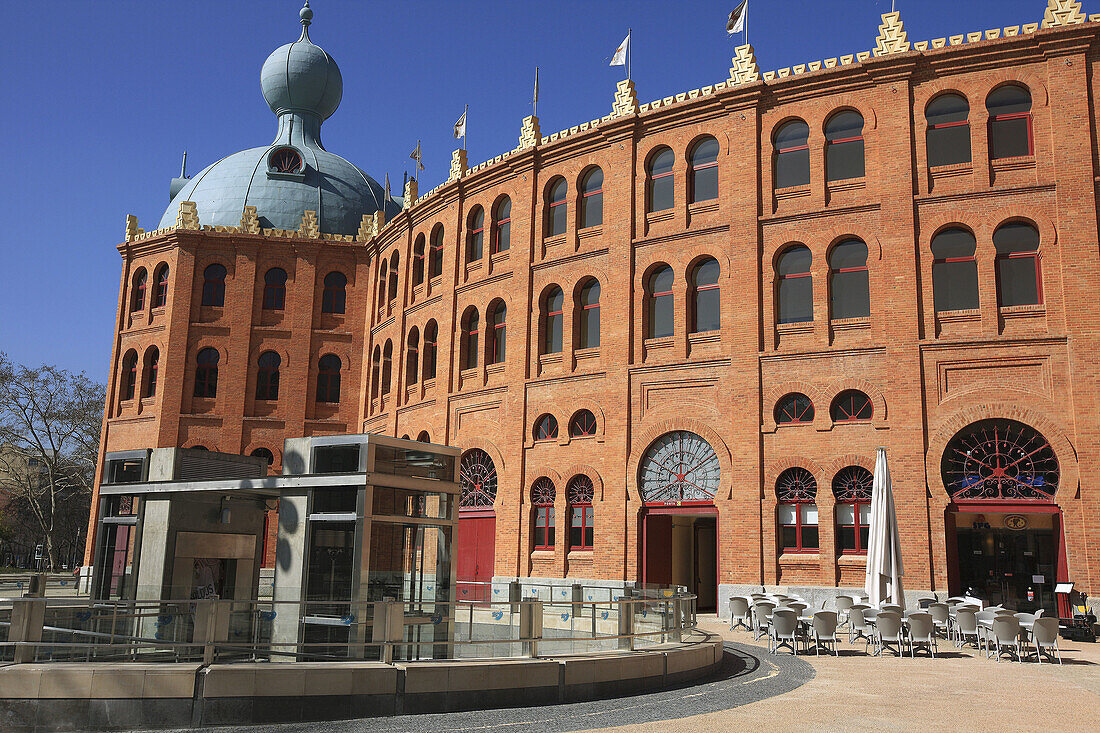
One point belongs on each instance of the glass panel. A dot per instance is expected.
(556, 221)
(590, 328)
(789, 537)
(336, 459)
(844, 125)
(952, 243)
(809, 514)
(660, 316)
(947, 108)
(550, 531)
(864, 513)
(792, 168)
(864, 536)
(408, 503)
(955, 285)
(852, 253)
(705, 185)
(949, 145)
(795, 261)
(845, 514)
(592, 210)
(844, 160)
(1009, 99)
(329, 574)
(1017, 281)
(1009, 138)
(796, 300)
(410, 462)
(1016, 237)
(851, 295)
(125, 471)
(708, 314)
(589, 527)
(553, 334)
(786, 513)
(410, 563)
(334, 501)
(792, 134)
(809, 537)
(846, 536)
(662, 193)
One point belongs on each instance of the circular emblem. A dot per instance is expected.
(679, 467)
(1016, 521)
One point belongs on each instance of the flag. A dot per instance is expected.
(388, 196)
(460, 126)
(417, 157)
(619, 59)
(736, 22)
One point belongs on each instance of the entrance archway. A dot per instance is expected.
(476, 539)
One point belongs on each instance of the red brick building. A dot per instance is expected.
(671, 339)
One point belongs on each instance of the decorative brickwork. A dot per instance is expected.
(188, 216)
(745, 70)
(309, 225)
(458, 165)
(891, 35)
(626, 101)
(410, 193)
(250, 222)
(529, 135)
(1062, 12)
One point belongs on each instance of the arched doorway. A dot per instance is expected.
(476, 541)
(1004, 530)
(678, 477)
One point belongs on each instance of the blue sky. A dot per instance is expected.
(103, 98)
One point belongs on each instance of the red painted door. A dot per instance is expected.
(476, 553)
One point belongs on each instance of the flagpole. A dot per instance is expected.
(535, 103)
(629, 31)
(465, 125)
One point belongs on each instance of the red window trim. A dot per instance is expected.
(856, 523)
(942, 125)
(1034, 254)
(546, 526)
(797, 420)
(1017, 116)
(798, 528)
(494, 240)
(857, 138)
(492, 336)
(583, 526)
(655, 176)
(794, 149)
(151, 382)
(539, 432)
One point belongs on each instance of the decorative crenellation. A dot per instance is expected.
(529, 135)
(133, 231)
(1062, 12)
(410, 193)
(310, 228)
(458, 165)
(745, 70)
(626, 100)
(892, 37)
(250, 222)
(188, 216)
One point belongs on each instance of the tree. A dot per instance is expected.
(50, 423)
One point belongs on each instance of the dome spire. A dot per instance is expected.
(306, 14)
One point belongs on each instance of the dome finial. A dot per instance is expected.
(306, 14)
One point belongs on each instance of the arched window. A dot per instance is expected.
(477, 479)
(383, 277)
(267, 376)
(1019, 278)
(470, 325)
(431, 333)
(502, 226)
(661, 306)
(999, 460)
(844, 146)
(387, 367)
(794, 408)
(588, 316)
(152, 364)
(796, 490)
(475, 236)
(213, 285)
(948, 138)
(328, 378)
(542, 498)
(206, 373)
(496, 317)
(792, 154)
(423, 437)
(852, 489)
(137, 299)
(579, 493)
(334, 296)
(395, 260)
(851, 405)
(591, 213)
(555, 207)
(703, 185)
(265, 454)
(435, 261)
(412, 356)
(274, 289)
(795, 291)
(662, 183)
(552, 318)
(546, 427)
(582, 425)
(376, 371)
(129, 375)
(418, 260)
(160, 297)
(849, 289)
(1009, 110)
(706, 297)
(954, 271)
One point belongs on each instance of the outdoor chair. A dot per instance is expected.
(739, 613)
(1039, 613)
(858, 626)
(922, 632)
(984, 617)
(1044, 635)
(894, 607)
(966, 627)
(1005, 612)
(843, 605)
(761, 614)
(824, 629)
(798, 606)
(926, 602)
(941, 618)
(784, 631)
(888, 630)
(1005, 637)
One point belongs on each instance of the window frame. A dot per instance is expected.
(543, 497)
(412, 356)
(429, 352)
(799, 419)
(697, 289)
(496, 334)
(835, 271)
(845, 496)
(933, 126)
(334, 297)
(553, 322)
(995, 118)
(213, 289)
(1035, 255)
(328, 380)
(583, 424)
(267, 377)
(798, 498)
(471, 327)
(780, 151)
(546, 428)
(558, 183)
(274, 295)
(500, 238)
(694, 168)
(781, 277)
(654, 303)
(435, 258)
(586, 312)
(129, 376)
(160, 294)
(137, 299)
(652, 178)
(831, 145)
(150, 369)
(418, 260)
(206, 375)
(587, 200)
(475, 235)
(852, 416)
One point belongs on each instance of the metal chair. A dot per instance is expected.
(1044, 635)
(761, 615)
(941, 618)
(922, 632)
(888, 630)
(1006, 636)
(984, 617)
(891, 607)
(925, 602)
(739, 613)
(843, 605)
(966, 626)
(824, 630)
(784, 631)
(858, 626)
(798, 606)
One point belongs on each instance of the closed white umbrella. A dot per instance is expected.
(884, 568)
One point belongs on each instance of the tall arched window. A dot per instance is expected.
(375, 372)
(553, 303)
(543, 494)
(1019, 278)
(412, 356)
(954, 271)
(274, 289)
(851, 405)
(792, 154)
(431, 334)
(213, 285)
(1009, 110)
(844, 146)
(661, 184)
(475, 236)
(579, 493)
(137, 298)
(160, 297)
(206, 373)
(555, 207)
(661, 305)
(423, 437)
(470, 327)
(383, 277)
(334, 297)
(706, 297)
(497, 315)
(328, 378)
(948, 137)
(129, 375)
(267, 376)
(395, 260)
(591, 209)
(387, 367)
(794, 408)
(852, 490)
(418, 260)
(546, 427)
(502, 226)
(582, 424)
(795, 289)
(150, 369)
(796, 490)
(435, 261)
(588, 315)
(703, 185)
(849, 288)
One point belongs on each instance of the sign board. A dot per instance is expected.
(38, 551)
(1063, 588)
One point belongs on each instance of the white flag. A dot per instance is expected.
(460, 126)
(416, 155)
(736, 22)
(619, 59)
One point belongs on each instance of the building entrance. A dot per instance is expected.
(681, 548)
(476, 555)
